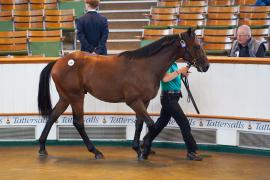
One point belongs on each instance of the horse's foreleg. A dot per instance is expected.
(78, 122)
(59, 108)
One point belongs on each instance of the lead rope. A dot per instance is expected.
(185, 80)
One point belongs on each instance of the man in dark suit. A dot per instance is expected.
(92, 29)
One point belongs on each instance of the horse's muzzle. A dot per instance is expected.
(205, 68)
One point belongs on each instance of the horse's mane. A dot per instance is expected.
(150, 49)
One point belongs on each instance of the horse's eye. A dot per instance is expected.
(197, 47)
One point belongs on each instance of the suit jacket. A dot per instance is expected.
(92, 31)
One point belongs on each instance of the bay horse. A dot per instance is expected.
(132, 77)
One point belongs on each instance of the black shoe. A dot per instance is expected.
(194, 156)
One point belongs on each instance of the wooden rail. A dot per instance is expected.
(212, 59)
(26, 60)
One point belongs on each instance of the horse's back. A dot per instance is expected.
(99, 75)
(76, 61)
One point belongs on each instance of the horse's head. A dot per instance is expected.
(194, 54)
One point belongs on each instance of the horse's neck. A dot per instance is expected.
(161, 62)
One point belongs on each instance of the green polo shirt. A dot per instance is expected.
(174, 84)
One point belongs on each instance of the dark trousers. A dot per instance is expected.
(171, 108)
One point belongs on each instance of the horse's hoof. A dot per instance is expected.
(99, 156)
(43, 152)
(152, 152)
(136, 149)
(142, 157)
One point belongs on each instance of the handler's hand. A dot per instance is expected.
(184, 71)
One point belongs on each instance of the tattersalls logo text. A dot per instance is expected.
(262, 126)
(87, 119)
(225, 124)
(28, 120)
(122, 120)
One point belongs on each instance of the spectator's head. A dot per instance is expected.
(243, 35)
(93, 4)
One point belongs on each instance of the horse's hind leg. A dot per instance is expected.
(78, 122)
(136, 140)
(59, 108)
(138, 130)
(142, 115)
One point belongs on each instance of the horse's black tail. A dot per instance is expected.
(44, 97)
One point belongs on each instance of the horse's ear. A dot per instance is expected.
(193, 31)
(189, 31)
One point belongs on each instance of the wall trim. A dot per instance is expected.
(236, 118)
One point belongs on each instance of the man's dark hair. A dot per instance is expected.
(93, 3)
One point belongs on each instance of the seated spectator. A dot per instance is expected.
(262, 2)
(245, 45)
